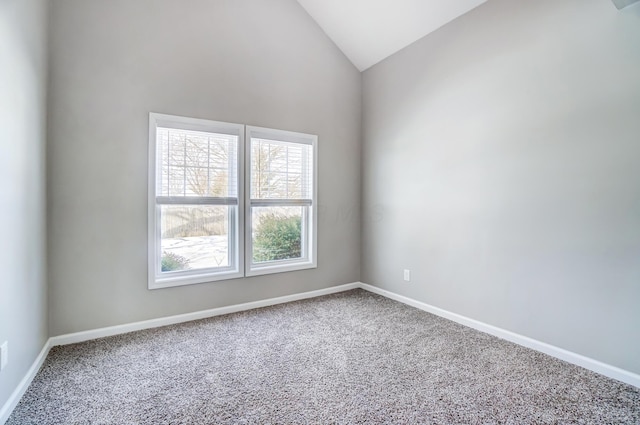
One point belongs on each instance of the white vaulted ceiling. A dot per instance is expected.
(368, 31)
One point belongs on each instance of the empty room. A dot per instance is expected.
(320, 211)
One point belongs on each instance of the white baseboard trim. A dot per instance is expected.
(560, 353)
(73, 338)
(17, 394)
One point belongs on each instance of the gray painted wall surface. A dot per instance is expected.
(500, 159)
(246, 61)
(23, 291)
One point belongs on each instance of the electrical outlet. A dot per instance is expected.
(4, 354)
(407, 275)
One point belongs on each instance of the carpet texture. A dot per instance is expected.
(348, 358)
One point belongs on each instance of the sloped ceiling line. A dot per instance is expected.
(368, 31)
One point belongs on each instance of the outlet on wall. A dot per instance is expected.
(407, 275)
(4, 354)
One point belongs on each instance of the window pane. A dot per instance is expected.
(195, 163)
(278, 233)
(194, 236)
(281, 170)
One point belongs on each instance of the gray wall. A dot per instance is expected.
(246, 61)
(501, 166)
(23, 292)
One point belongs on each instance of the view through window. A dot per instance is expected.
(198, 227)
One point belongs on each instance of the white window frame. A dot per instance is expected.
(157, 279)
(310, 261)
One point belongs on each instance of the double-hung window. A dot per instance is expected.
(281, 201)
(228, 200)
(195, 188)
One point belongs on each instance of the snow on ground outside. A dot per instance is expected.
(201, 251)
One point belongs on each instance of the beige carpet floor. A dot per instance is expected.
(348, 358)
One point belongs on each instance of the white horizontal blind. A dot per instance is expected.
(196, 167)
(281, 172)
